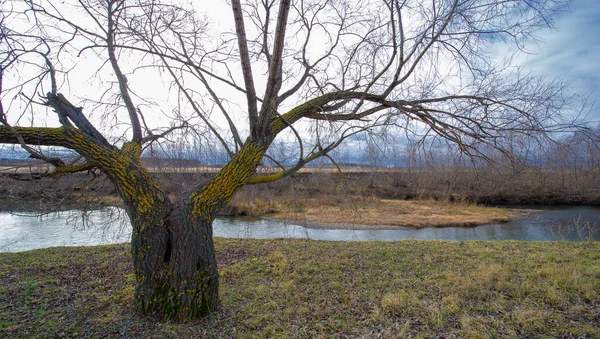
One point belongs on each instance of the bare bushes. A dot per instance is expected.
(51, 193)
(353, 188)
(458, 185)
(505, 185)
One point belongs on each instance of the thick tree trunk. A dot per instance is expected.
(172, 244)
(175, 266)
(172, 250)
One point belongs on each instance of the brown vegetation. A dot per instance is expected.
(353, 212)
(352, 191)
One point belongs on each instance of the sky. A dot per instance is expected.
(571, 51)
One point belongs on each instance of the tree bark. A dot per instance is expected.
(172, 244)
(175, 265)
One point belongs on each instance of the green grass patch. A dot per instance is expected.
(303, 288)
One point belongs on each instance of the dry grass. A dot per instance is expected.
(310, 289)
(402, 213)
(355, 211)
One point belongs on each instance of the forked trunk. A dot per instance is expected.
(172, 244)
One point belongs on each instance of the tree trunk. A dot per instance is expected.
(172, 244)
(195, 278)
(175, 266)
(172, 250)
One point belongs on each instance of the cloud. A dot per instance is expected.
(571, 51)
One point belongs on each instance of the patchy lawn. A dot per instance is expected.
(303, 288)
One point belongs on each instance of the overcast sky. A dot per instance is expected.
(572, 51)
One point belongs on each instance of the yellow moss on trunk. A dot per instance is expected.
(219, 191)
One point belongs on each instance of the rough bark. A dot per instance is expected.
(172, 242)
(172, 245)
(175, 265)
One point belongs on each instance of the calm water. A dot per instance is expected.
(25, 231)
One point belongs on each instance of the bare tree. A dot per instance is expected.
(315, 71)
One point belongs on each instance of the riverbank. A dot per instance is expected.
(313, 289)
(389, 214)
(547, 186)
(326, 211)
(370, 212)
(385, 199)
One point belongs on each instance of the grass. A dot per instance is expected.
(370, 212)
(310, 289)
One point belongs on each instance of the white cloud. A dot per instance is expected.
(572, 50)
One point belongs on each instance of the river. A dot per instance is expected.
(28, 230)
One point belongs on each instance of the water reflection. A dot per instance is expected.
(547, 225)
(20, 232)
(28, 230)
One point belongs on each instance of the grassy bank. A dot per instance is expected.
(355, 212)
(322, 210)
(305, 288)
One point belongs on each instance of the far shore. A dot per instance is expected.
(330, 213)
(327, 212)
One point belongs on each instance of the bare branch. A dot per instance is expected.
(114, 9)
(246, 67)
(274, 79)
(68, 112)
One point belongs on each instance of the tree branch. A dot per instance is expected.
(67, 111)
(246, 67)
(40, 136)
(123, 87)
(269, 105)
